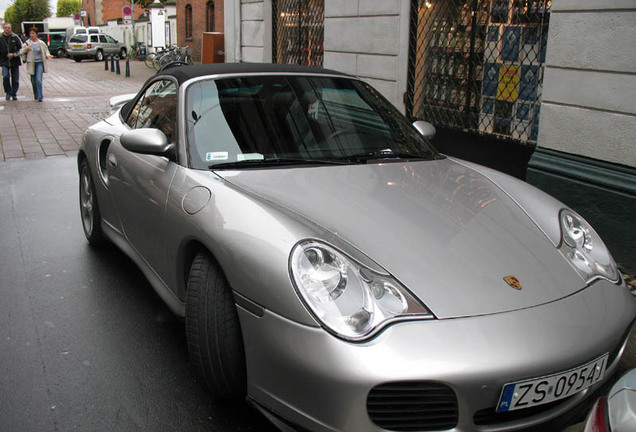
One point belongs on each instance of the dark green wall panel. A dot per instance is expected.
(603, 193)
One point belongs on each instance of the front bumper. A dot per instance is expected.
(321, 383)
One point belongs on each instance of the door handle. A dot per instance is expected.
(112, 160)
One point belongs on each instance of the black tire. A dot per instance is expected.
(77, 59)
(149, 60)
(122, 53)
(99, 56)
(89, 208)
(61, 53)
(213, 330)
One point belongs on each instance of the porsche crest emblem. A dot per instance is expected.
(513, 282)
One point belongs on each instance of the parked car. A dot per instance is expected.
(81, 46)
(336, 270)
(55, 42)
(615, 412)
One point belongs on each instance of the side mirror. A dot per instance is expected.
(148, 141)
(425, 128)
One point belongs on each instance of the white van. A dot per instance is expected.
(80, 30)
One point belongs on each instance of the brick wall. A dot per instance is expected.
(198, 23)
(101, 11)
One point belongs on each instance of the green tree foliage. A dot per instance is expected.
(144, 3)
(26, 10)
(66, 8)
(10, 17)
(32, 10)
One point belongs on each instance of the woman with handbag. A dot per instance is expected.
(37, 54)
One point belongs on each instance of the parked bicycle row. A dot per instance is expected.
(172, 54)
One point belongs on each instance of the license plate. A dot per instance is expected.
(539, 391)
(77, 46)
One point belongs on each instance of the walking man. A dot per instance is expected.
(10, 45)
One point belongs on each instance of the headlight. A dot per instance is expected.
(348, 298)
(585, 250)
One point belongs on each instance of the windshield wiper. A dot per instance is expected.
(276, 161)
(382, 155)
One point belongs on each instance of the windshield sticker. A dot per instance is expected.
(216, 156)
(249, 156)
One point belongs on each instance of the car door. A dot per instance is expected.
(93, 46)
(113, 45)
(140, 183)
(103, 43)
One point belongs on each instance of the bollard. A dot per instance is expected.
(112, 64)
(117, 65)
(127, 68)
(105, 63)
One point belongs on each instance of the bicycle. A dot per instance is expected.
(149, 60)
(163, 56)
(171, 54)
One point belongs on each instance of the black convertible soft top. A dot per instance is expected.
(184, 73)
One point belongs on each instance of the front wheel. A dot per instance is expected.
(213, 330)
(61, 53)
(122, 53)
(89, 208)
(149, 60)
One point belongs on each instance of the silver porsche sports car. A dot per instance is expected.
(335, 270)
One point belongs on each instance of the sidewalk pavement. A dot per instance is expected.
(75, 96)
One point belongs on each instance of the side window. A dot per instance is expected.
(157, 108)
(102, 39)
(94, 38)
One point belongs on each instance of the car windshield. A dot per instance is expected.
(79, 38)
(260, 121)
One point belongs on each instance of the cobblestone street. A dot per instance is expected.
(75, 96)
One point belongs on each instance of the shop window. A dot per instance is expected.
(477, 65)
(298, 34)
(188, 22)
(209, 17)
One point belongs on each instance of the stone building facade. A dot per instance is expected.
(586, 154)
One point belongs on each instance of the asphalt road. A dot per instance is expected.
(85, 344)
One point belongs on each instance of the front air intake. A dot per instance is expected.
(413, 406)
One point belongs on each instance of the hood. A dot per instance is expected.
(449, 234)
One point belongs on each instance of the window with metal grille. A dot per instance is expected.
(298, 34)
(477, 65)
